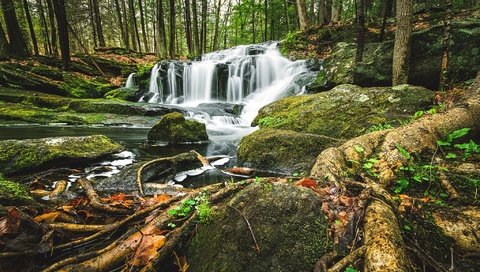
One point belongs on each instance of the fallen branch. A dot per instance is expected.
(249, 227)
(94, 199)
(452, 193)
(60, 187)
(350, 258)
(77, 228)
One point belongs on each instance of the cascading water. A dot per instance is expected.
(130, 81)
(250, 75)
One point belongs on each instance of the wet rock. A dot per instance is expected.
(287, 222)
(282, 151)
(174, 128)
(346, 111)
(17, 156)
(124, 93)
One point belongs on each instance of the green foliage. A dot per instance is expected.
(350, 269)
(12, 193)
(468, 148)
(379, 127)
(452, 136)
(359, 148)
(200, 204)
(368, 166)
(404, 152)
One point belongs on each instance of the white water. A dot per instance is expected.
(130, 81)
(231, 76)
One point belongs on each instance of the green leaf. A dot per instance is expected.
(443, 143)
(451, 155)
(359, 148)
(403, 152)
(418, 114)
(350, 269)
(172, 212)
(407, 227)
(401, 185)
(457, 134)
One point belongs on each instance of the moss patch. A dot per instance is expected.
(12, 193)
(79, 87)
(174, 128)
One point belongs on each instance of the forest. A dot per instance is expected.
(240, 135)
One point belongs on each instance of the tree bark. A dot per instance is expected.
(203, 31)
(287, 15)
(47, 45)
(188, 28)
(337, 9)
(91, 14)
(444, 85)
(18, 46)
(216, 33)
(302, 14)
(30, 27)
(98, 23)
(126, 24)
(161, 36)
(60, 13)
(120, 22)
(361, 30)
(134, 27)
(322, 12)
(4, 46)
(172, 29)
(196, 32)
(401, 50)
(265, 15)
(386, 11)
(144, 30)
(53, 28)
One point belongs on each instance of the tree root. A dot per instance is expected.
(95, 201)
(77, 228)
(350, 258)
(452, 193)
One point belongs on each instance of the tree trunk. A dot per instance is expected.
(53, 28)
(444, 85)
(60, 13)
(172, 29)
(91, 14)
(188, 28)
(254, 25)
(386, 11)
(120, 22)
(203, 30)
(196, 32)
(30, 27)
(216, 33)
(322, 12)
(161, 36)
(134, 27)
(18, 46)
(361, 30)
(302, 14)
(265, 15)
(401, 50)
(287, 15)
(126, 24)
(144, 30)
(98, 23)
(4, 46)
(47, 45)
(337, 8)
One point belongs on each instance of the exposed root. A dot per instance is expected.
(350, 258)
(60, 187)
(95, 201)
(77, 228)
(452, 193)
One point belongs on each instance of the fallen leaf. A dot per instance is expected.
(181, 262)
(11, 223)
(156, 199)
(48, 218)
(148, 249)
(307, 182)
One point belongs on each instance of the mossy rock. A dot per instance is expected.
(12, 193)
(13, 112)
(282, 151)
(79, 87)
(17, 156)
(105, 106)
(174, 128)
(19, 76)
(288, 224)
(345, 111)
(126, 94)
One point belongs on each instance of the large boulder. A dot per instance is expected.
(346, 111)
(18, 156)
(287, 222)
(425, 59)
(174, 128)
(282, 151)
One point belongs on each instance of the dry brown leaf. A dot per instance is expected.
(48, 218)
(11, 223)
(181, 262)
(307, 182)
(147, 249)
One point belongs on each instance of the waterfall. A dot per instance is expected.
(130, 81)
(251, 75)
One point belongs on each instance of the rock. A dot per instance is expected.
(376, 68)
(346, 111)
(174, 128)
(12, 193)
(127, 94)
(282, 151)
(79, 87)
(18, 156)
(287, 222)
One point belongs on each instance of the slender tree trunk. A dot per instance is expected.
(444, 85)
(18, 46)
(302, 14)
(361, 30)
(265, 15)
(120, 22)
(287, 15)
(62, 24)
(53, 28)
(4, 46)
(134, 27)
(161, 36)
(204, 27)
(321, 12)
(47, 45)
(337, 8)
(172, 29)
(144, 30)
(30, 27)
(196, 37)
(386, 10)
(126, 24)
(254, 25)
(188, 28)
(216, 33)
(401, 50)
(92, 23)
(225, 20)
(98, 23)
(428, 5)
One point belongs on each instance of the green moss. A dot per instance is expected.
(12, 193)
(125, 94)
(105, 106)
(174, 128)
(26, 155)
(81, 88)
